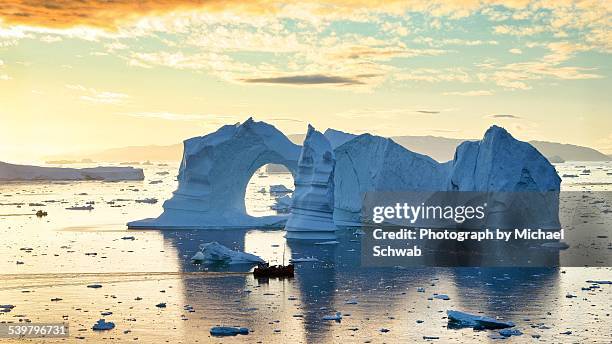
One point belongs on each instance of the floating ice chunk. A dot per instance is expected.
(441, 297)
(279, 189)
(83, 207)
(460, 319)
(103, 325)
(27, 172)
(6, 308)
(215, 252)
(198, 257)
(556, 245)
(147, 200)
(282, 204)
(220, 331)
(332, 242)
(510, 332)
(336, 317)
(303, 260)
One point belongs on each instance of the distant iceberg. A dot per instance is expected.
(12, 172)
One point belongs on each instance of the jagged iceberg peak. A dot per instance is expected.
(337, 137)
(313, 200)
(499, 162)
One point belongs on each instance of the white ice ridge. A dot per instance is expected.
(12, 172)
(214, 174)
(313, 199)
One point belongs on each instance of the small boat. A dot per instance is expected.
(265, 270)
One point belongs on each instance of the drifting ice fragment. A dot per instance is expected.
(336, 317)
(102, 325)
(221, 331)
(215, 252)
(458, 319)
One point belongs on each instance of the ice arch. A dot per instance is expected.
(214, 174)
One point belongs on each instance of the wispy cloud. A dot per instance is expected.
(503, 116)
(95, 96)
(315, 79)
(473, 93)
(105, 97)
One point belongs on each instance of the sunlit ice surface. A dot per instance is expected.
(47, 264)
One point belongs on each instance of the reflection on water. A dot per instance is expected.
(67, 251)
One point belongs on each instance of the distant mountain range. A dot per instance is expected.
(439, 148)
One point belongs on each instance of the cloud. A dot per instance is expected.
(474, 93)
(428, 112)
(314, 79)
(434, 75)
(95, 96)
(5, 77)
(504, 116)
(105, 97)
(515, 51)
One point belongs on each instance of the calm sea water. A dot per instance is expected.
(46, 265)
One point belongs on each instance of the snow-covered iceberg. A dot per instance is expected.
(214, 174)
(313, 200)
(12, 172)
(372, 163)
(213, 252)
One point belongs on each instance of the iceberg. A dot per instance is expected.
(524, 182)
(333, 172)
(313, 200)
(12, 172)
(215, 252)
(214, 174)
(373, 163)
(497, 163)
